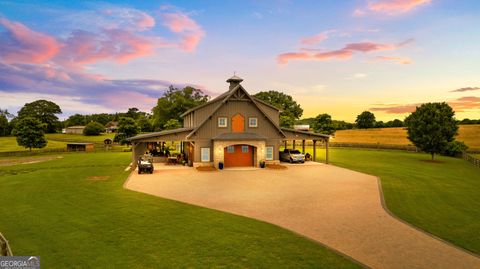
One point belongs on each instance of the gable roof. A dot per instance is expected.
(226, 97)
(222, 96)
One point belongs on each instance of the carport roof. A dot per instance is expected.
(296, 134)
(239, 136)
(159, 134)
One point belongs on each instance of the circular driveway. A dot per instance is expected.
(335, 206)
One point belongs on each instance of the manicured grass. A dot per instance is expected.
(51, 209)
(79, 137)
(442, 198)
(398, 136)
(9, 144)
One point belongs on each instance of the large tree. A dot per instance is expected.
(323, 124)
(30, 133)
(175, 102)
(43, 110)
(365, 120)
(76, 120)
(93, 128)
(291, 110)
(4, 124)
(432, 127)
(127, 127)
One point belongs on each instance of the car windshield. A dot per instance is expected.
(294, 151)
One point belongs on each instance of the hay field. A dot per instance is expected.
(470, 134)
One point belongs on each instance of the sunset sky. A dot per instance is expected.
(336, 57)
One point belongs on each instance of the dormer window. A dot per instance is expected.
(252, 122)
(222, 122)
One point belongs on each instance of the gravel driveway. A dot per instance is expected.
(337, 207)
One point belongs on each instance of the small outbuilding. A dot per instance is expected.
(88, 147)
(74, 130)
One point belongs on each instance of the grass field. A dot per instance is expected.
(442, 198)
(79, 137)
(470, 134)
(55, 141)
(9, 143)
(51, 209)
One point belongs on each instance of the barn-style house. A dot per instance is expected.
(235, 129)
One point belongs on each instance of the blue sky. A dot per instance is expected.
(336, 57)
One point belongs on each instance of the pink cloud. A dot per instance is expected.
(459, 105)
(191, 33)
(369, 46)
(286, 57)
(344, 53)
(396, 6)
(338, 54)
(21, 44)
(145, 21)
(312, 40)
(84, 47)
(390, 7)
(395, 59)
(466, 89)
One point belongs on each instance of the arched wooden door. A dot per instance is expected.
(238, 124)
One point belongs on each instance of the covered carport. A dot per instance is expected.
(141, 143)
(304, 136)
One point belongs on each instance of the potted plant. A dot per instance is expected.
(262, 164)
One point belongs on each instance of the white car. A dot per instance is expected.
(292, 156)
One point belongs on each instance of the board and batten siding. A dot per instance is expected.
(247, 109)
(271, 112)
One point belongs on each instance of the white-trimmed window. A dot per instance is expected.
(244, 149)
(252, 122)
(222, 122)
(205, 152)
(269, 153)
(231, 149)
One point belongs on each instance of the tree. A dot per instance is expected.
(76, 120)
(44, 111)
(432, 127)
(93, 128)
(394, 123)
(133, 113)
(365, 120)
(172, 124)
(291, 110)
(145, 123)
(4, 124)
(30, 133)
(175, 102)
(127, 127)
(380, 124)
(323, 124)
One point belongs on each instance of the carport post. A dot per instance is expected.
(303, 146)
(326, 149)
(314, 150)
(293, 146)
(285, 141)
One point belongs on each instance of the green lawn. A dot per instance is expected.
(9, 144)
(51, 209)
(79, 137)
(441, 198)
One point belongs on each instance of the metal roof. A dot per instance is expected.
(240, 136)
(155, 134)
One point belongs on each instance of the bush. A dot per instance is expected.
(93, 128)
(454, 148)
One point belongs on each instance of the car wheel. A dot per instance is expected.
(139, 171)
(291, 160)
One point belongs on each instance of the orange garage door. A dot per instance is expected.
(238, 155)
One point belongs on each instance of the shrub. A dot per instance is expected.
(454, 148)
(93, 128)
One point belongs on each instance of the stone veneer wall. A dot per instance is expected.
(219, 146)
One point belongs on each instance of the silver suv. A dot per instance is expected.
(292, 156)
